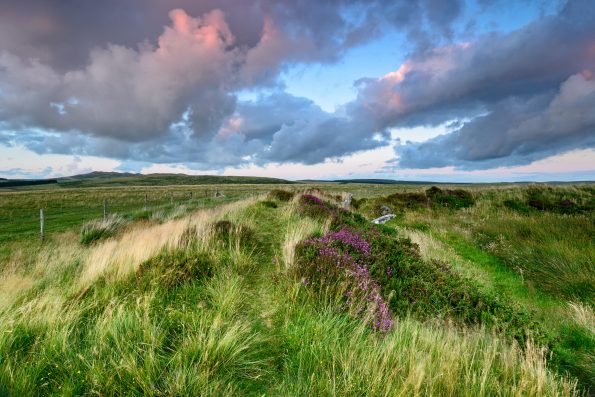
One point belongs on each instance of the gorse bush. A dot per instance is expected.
(101, 228)
(268, 204)
(557, 200)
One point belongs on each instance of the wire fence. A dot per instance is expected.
(20, 215)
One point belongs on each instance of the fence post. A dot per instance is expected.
(104, 209)
(41, 222)
(171, 198)
(190, 196)
(145, 201)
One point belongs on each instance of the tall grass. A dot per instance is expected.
(101, 228)
(332, 356)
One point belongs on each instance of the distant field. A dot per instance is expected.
(70, 207)
(65, 208)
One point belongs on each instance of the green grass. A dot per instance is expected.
(540, 259)
(205, 302)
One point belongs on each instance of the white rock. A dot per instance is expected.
(383, 219)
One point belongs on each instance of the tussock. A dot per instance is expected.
(120, 257)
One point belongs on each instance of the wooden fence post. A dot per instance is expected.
(104, 209)
(41, 222)
(171, 198)
(145, 201)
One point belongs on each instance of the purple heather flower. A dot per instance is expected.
(362, 288)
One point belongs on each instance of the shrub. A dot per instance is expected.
(101, 228)
(396, 276)
(562, 201)
(338, 260)
(430, 289)
(311, 205)
(280, 194)
(399, 202)
(454, 199)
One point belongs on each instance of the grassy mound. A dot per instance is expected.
(553, 200)
(433, 197)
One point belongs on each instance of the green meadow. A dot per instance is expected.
(483, 290)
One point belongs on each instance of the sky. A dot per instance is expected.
(441, 90)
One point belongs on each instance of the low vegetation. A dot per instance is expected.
(101, 228)
(433, 197)
(292, 295)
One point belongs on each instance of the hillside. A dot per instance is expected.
(96, 179)
(289, 295)
(104, 179)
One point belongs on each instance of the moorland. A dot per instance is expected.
(285, 290)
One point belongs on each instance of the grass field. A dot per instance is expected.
(481, 293)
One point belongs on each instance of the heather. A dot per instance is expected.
(340, 259)
(398, 278)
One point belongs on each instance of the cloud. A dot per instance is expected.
(515, 131)
(528, 94)
(68, 84)
(151, 89)
(62, 33)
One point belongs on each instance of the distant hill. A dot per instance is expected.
(122, 179)
(9, 183)
(373, 182)
(383, 181)
(102, 179)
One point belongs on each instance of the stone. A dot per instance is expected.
(347, 200)
(383, 219)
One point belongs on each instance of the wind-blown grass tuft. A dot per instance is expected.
(101, 228)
